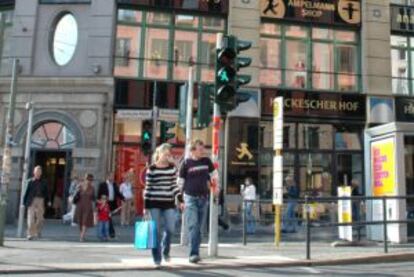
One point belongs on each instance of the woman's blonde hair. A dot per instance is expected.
(160, 150)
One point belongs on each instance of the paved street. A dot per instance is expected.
(379, 270)
(60, 251)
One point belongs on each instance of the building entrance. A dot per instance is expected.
(56, 167)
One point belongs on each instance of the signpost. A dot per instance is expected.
(345, 213)
(278, 164)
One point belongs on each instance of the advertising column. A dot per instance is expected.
(278, 163)
(384, 183)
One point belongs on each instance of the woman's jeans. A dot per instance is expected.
(251, 220)
(165, 219)
(289, 223)
(195, 211)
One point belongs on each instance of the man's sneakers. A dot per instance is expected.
(194, 259)
(167, 258)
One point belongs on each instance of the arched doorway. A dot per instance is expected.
(51, 146)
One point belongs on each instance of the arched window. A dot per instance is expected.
(53, 135)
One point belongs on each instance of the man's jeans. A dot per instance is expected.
(165, 218)
(195, 211)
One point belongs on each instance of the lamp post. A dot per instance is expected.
(7, 152)
(30, 108)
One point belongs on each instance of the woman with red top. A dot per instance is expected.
(104, 213)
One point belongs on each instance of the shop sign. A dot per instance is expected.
(318, 105)
(337, 12)
(134, 114)
(64, 1)
(7, 2)
(404, 109)
(243, 155)
(402, 19)
(210, 6)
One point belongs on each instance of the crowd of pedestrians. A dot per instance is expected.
(167, 188)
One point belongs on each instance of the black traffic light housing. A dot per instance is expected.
(165, 135)
(228, 80)
(204, 105)
(146, 136)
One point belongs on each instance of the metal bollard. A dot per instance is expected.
(244, 222)
(308, 229)
(384, 216)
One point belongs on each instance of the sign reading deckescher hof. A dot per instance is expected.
(339, 12)
(312, 104)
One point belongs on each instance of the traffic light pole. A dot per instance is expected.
(7, 153)
(30, 108)
(154, 120)
(188, 137)
(213, 234)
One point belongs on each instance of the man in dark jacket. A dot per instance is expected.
(111, 190)
(34, 199)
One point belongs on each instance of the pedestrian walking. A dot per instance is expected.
(289, 222)
(248, 191)
(34, 199)
(72, 206)
(126, 191)
(84, 199)
(195, 176)
(103, 214)
(110, 189)
(160, 198)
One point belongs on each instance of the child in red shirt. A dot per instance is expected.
(104, 213)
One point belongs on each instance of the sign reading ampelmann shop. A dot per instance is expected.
(337, 12)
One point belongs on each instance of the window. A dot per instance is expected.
(163, 45)
(65, 39)
(53, 135)
(403, 2)
(402, 65)
(309, 58)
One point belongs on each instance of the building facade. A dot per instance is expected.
(91, 67)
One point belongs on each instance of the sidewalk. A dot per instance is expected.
(59, 251)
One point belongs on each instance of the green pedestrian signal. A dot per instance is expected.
(146, 137)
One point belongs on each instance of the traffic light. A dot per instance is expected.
(204, 107)
(226, 70)
(228, 80)
(164, 134)
(146, 137)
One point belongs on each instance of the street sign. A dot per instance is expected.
(345, 213)
(168, 115)
(277, 147)
(134, 114)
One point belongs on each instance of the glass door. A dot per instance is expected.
(409, 180)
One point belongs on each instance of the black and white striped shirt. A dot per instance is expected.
(161, 187)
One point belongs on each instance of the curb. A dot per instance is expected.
(212, 264)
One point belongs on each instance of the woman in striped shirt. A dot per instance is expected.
(160, 195)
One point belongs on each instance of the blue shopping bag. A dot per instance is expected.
(145, 234)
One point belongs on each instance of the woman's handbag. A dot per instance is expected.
(145, 234)
(76, 197)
